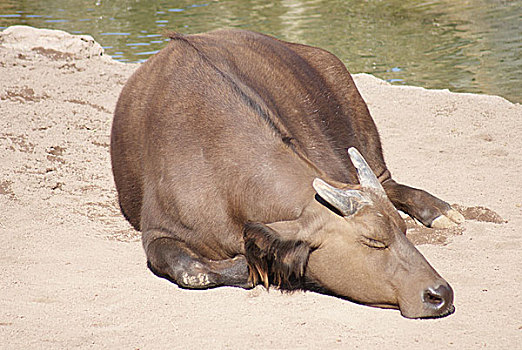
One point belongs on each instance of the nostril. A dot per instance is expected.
(438, 297)
(432, 298)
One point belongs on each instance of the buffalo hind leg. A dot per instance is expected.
(174, 260)
(419, 204)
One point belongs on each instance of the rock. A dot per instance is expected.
(54, 44)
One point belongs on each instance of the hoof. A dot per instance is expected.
(455, 216)
(450, 219)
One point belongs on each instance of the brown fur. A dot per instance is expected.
(294, 130)
(274, 260)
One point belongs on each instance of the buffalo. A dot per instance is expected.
(247, 160)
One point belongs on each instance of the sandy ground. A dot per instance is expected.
(73, 273)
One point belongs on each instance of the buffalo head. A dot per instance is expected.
(363, 254)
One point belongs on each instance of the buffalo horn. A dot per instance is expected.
(367, 178)
(348, 202)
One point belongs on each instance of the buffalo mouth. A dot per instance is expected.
(430, 313)
(449, 310)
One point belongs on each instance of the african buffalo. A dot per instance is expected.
(229, 154)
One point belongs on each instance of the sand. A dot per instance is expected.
(73, 272)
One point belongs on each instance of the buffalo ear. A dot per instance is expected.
(348, 202)
(273, 259)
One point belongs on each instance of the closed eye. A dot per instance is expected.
(373, 243)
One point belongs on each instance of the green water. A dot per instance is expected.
(463, 45)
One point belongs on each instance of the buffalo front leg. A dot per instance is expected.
(172, 259)
(419, 204)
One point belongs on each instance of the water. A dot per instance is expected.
(463, 45)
